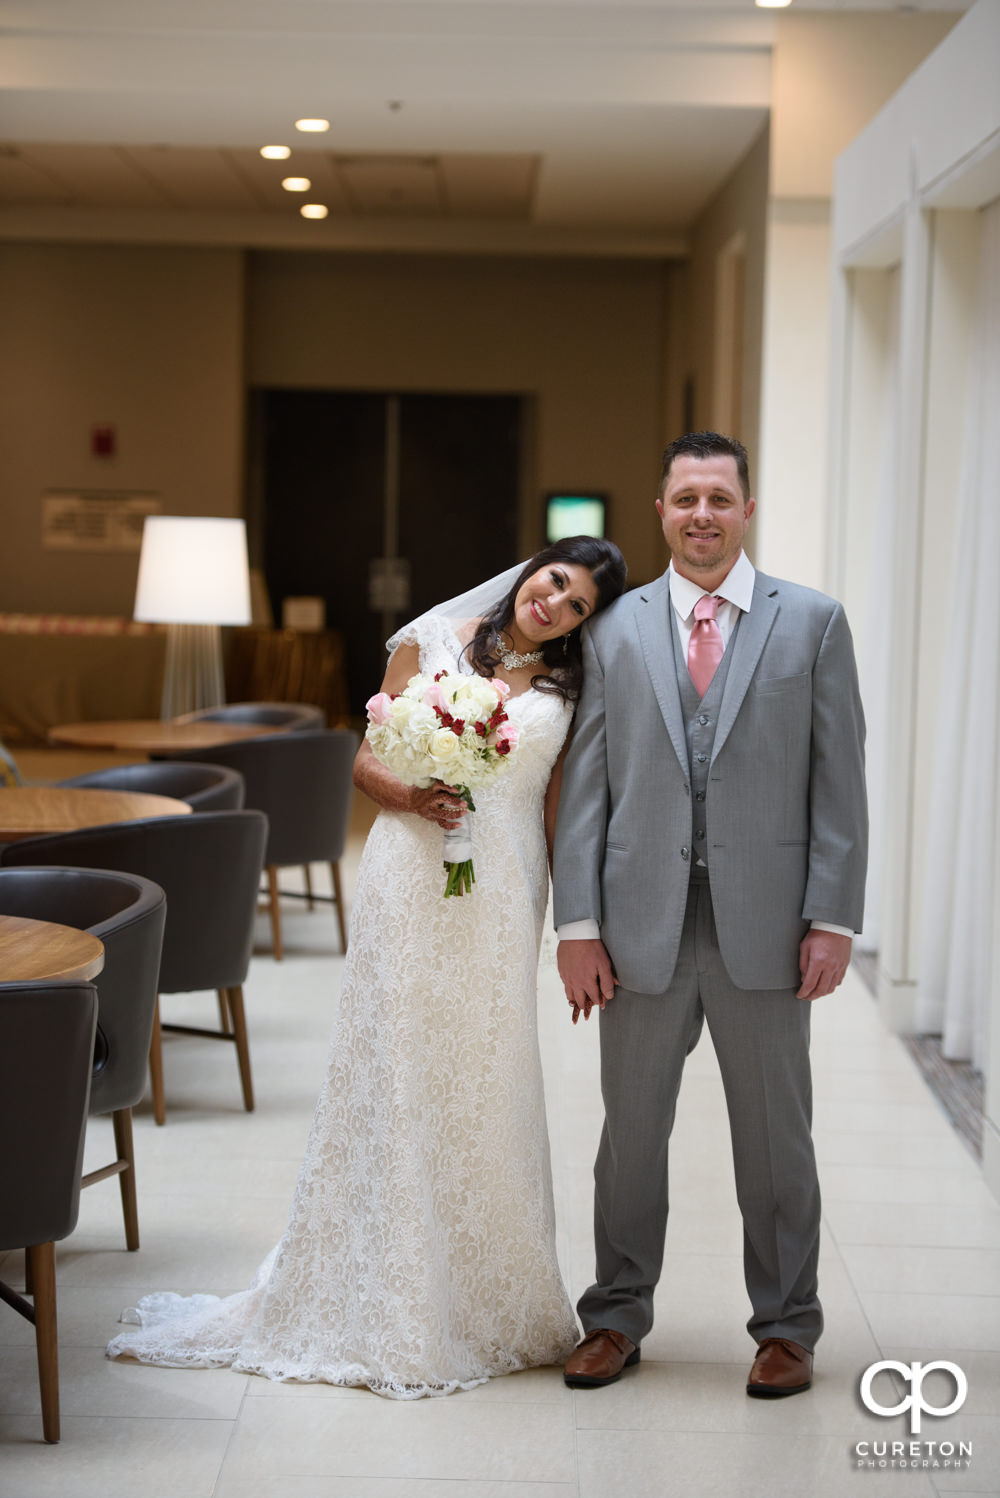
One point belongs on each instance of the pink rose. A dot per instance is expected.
(507, 736)
(435, 698)
(379, 708)
(502, 688)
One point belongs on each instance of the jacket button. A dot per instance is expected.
(685, 853)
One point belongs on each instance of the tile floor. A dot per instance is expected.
(910, 1271)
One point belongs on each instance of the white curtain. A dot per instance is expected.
(956, 945)
(875, 662)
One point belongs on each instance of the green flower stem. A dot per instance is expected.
(461, 876)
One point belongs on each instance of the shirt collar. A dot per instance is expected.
(736, 588)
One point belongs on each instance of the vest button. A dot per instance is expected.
(703, 720)
(700, 832)
(701, 758)
(700, 796)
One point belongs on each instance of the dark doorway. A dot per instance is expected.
(351, 478)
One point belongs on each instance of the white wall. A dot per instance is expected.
(907, 195)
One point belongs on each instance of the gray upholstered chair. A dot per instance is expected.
(208, 864)
(204, 787)
(293, 716)
(46, 1054)
(126, 913)
(304, 782)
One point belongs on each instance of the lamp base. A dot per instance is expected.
(192, 673)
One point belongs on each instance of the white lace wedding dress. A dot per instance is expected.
(419, 1256)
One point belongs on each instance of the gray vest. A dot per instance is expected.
(701, 714)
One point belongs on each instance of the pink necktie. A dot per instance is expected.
(705, 645)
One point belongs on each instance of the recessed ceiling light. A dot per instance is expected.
(314, 210)
(276, 153)
(772, 4)
(312, 125)
(296, 184)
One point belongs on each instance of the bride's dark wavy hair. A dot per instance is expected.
(606, 566)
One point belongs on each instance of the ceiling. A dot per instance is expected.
(586, 126)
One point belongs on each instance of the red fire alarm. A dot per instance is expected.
(102, 442)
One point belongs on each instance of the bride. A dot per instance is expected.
(419, 1255)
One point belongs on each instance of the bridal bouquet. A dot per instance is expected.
(449, 728)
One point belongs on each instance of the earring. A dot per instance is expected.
(565, 644)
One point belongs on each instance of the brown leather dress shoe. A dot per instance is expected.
(599, 1359)
(780, 1367)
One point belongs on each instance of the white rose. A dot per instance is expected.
(444, 746)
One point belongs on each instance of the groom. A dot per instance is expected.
(710, 866)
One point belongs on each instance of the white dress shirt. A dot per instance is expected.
(735, 591)
(736, 594)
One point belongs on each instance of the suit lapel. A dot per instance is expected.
(751, 637)
(653, 623)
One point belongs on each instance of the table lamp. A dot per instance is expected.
(193, 577)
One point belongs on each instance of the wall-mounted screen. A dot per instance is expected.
(574, 514)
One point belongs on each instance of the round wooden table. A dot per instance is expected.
(39, 950)
(157, 735)
(32, 810)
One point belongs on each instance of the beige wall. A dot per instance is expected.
(586, 339)
(147, 340)
(737, 212)
(152, 341)
(830, 73)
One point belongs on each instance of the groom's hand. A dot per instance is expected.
(585, 968)
(823, 960)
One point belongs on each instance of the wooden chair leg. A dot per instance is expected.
(307, 871)
(235, 1000)
(156, 1066)
(272, 885)
(42, 1260)
(121, 1121)
(339, 898)
(223, 1012)
(29, 1288)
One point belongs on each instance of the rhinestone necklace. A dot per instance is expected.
(512, 660)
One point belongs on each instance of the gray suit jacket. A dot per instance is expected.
(786, 817)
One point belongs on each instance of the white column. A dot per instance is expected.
(991, 1102)
(902, 571)
(790, 523)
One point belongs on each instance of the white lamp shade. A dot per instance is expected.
(193, 570)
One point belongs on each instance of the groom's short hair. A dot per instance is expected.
(708, 445)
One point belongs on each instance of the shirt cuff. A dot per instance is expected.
(588, 930)
(829, 926)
